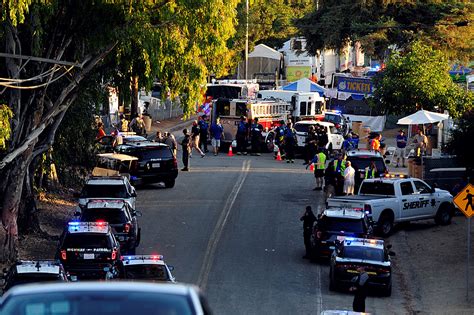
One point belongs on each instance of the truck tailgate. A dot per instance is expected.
(357, 201)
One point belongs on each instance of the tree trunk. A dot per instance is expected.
(10, 205)
(134, 98)
(28, 221)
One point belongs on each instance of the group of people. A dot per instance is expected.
(316, 140)
(285, 141)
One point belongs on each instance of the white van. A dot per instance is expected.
(334, 137)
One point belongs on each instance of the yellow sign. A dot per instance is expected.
(294, 73)
(465, 200)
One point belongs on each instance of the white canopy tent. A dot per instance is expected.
(422, 117)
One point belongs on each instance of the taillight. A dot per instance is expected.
(338, 126)
(114, 254)
(175, 163)
(126, 228)
(63, 255)
(367, 209)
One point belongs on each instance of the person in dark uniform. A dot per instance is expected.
(256, 130)
(279, 138)
(290, 143)
(308, 219)
(204, 133)
(360, 290)
(311, 145)
(242, 136)
(186, 146)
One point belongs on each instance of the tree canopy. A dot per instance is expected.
(379, 24)
(419, 78)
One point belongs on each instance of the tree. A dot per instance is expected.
(419, 78)
(461, 139)
(379, 24)
(78, 36)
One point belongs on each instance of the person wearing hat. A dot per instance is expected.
(401, 147)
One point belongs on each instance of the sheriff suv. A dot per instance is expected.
(24, 271)
(351, 253)
(86, 249)
(156, 163)
(146, 268)
(337, 223)
(108, 187)
(119, 215)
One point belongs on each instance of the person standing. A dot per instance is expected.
(279, 138)
(171, 142)
(195, 135)
(204, 132)
(349, 179)
(308, 219)
(290, 142)
(330, 181)
(371, 170)
(320, 161)
(421, 142)
(217, 133)
(311, 145)
(339, 165)
(242, 136)
(159, 137)
(360, 290)
(123, 125)
(100, 131)
(401, 147)
(256, 130)
(186, 146)
(323, 140)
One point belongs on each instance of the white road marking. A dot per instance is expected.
(319, 293)
(221, 222)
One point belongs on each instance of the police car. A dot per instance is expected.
(336, 223)
(146, 268)
(335, 139)
(94, 297)
(351, 253)
(392, 199)
(108, 187)
(87, 248)
(119, 215)
(26, 271)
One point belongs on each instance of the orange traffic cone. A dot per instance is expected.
(278, 156)
(311, 167)
(230, 151)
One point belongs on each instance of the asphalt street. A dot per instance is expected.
(231, 225)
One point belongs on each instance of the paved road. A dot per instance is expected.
(231, 225)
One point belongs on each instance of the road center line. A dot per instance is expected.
(221, 222)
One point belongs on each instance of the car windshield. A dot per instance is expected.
(360, 163)
(113, 216)
(81, 240)
(24, 278)
(335, 119)
(150, 272)
(342, 224)
(377, 188)
(98, 303)
(302, 127)
(363, 252)
(104, 191)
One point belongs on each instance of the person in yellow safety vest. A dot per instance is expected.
(339, 168)
(320, 160)
(370, 171)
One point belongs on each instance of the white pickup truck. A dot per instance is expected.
(392, 200)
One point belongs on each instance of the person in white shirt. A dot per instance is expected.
(349, 181)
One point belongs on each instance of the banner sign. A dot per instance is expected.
(294, 73)
(355, 85)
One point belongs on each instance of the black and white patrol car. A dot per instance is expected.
(119, 215)
(25, 271)
(86, 249)
(337, 223)
(351, 253)
(108, 187)
(146, 268)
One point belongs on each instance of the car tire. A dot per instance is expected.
(269, 144)
(139, 237)
(386, 224)
(388, 291)
(444, 214)
(170, 183)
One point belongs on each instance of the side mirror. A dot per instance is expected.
(171, 268)
(138, 213)
(390, 253)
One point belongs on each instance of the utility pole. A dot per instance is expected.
(247, 42)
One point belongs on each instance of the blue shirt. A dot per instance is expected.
(203, 125)
(216, 131)
(401, 141)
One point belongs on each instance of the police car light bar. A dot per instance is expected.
(143, 257)
(394, 176)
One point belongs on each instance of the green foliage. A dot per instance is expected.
(419, 79)
(461, 139)
(6, 115)
(378, 24)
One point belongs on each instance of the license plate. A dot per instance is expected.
(89, 256)
(155, 165)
